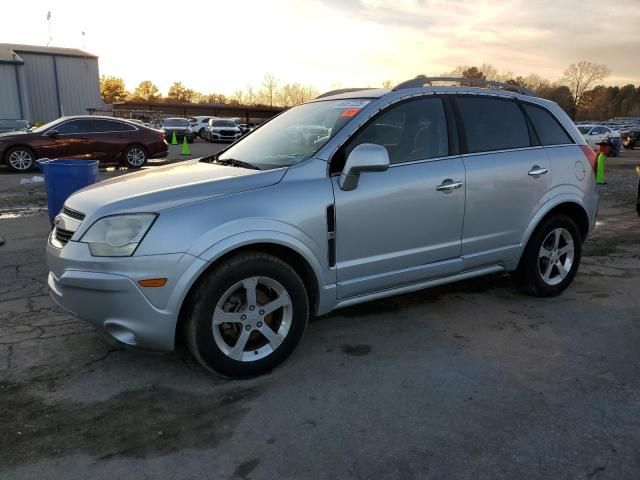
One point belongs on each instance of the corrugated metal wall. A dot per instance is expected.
(79, 83)
(9, 96)
(41, 87)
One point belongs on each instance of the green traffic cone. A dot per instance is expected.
(185, 147)
(174, 140)
(600, 169)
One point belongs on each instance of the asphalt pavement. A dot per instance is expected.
(472, 380)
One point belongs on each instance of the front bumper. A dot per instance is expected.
(224, 138)
(106, 293)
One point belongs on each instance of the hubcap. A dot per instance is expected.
(556, 256)
(252, 319)
(21, 160)
(135, 157)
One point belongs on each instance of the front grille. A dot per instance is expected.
(63, 236)
(73, 213)
(228, 133)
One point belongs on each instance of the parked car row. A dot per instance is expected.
(106, 139)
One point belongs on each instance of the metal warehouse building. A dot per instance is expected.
(40, 84)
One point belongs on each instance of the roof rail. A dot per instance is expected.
(341, 90)
(422, 80)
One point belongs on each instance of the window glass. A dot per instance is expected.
(74, 127)
(547, 127)
(584, 130)
(597, 131)
(111, 126)
(493, 124)
(414, 130)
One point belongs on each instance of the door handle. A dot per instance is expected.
(448, 185)
(535, 171)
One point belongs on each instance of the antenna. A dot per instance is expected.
(84, 40)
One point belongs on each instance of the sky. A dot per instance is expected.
(223, 46)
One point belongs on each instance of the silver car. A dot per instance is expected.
(409, 188)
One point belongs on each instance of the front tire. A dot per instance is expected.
(20, 159)
(246, 316)
(135, 157)
(551, 258)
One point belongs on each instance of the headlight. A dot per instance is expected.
(118, 235)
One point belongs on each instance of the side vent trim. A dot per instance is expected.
(331, 235)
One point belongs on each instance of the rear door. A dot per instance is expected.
(403, 225)
(111, 138)
(508, 178)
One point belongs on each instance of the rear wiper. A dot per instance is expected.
(235, 163)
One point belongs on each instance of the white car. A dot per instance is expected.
(199, 125)
(222, 130)
(595, 134)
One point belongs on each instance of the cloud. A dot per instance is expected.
(517, 35)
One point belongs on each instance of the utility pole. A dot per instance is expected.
(49, 22)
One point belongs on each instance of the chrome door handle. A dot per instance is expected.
(535, 171)
(448, 185)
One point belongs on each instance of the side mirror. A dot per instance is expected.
(367, 157)
(52, 133)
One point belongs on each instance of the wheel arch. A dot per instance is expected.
(286, 253)
(570, 207)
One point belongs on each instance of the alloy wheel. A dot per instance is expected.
(252, 319)
(21, 160)
(136, 157)
(556, 256)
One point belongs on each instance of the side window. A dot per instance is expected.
(597, 131)
(414, 130)
(493, 124)
(112, 126)
(74, 127)
(547, 127)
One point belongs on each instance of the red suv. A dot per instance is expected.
(84, 137)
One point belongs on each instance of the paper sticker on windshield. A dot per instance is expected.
(352, 104)
(350, 112)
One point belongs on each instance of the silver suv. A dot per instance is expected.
(400, 190)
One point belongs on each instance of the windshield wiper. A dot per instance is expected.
(235, 163)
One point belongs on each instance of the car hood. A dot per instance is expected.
(160, 188)
(13, 135)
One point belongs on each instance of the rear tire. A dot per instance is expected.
(238, 334)
(135, 157)
(20, 159)
(551, 258)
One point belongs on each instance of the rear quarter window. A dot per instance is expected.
(493, 124)
(549, 130)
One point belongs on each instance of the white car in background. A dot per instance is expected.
(595, 134)
(199, 125)
(222, 130)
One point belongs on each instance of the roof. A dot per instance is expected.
(10, 52)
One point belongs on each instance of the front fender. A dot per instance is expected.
(237, 235)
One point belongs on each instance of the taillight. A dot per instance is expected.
(590, 154)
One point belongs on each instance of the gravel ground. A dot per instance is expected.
(472, 380)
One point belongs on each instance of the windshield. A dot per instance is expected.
(584, 130)
(47, 126)
(295, 135)
(222, 123)
(176, 122)
(14, 124)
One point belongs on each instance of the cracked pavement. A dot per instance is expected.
(470, 380)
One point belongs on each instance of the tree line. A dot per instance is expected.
(269, 93)
(580, 91)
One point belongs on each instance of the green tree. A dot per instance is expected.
(179, 93)
(146, 91)
(112, 89)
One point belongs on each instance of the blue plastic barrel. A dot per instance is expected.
(63, 177)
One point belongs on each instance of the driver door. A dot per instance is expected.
(404, 225)
(73, 139)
